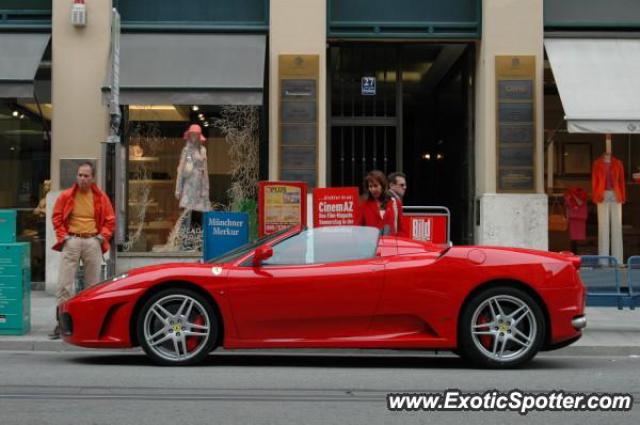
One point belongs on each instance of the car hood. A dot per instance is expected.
(165, 267)
(146, 276)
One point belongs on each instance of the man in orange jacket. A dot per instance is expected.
(84, 221)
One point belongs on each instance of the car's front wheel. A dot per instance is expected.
(177, 327)
(501, 327)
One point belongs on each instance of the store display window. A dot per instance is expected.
(182, 162)
(25, 156)
(593, 183)
(596, 193)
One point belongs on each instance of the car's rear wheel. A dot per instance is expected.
(177, 327)
(501, 327)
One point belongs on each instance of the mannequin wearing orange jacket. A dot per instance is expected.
(608, 193)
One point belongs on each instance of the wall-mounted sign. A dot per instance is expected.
(513, 113)
(299, 134)
(298, 88)
(300, 157)
(515, 124)
(335, 206)
(368, 86)
(298, 112)
(515, 89)
(298, 118)
(514, 133)
(281, 205)
(291, 175)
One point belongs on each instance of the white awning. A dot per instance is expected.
(599, 83)
(184, 69)
(20, 56)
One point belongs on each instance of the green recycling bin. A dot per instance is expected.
(15, 288)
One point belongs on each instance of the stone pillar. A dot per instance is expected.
(297, 27)
(80, 58)
(509, 27)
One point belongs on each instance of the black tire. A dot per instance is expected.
(169, 341)
(505, 342)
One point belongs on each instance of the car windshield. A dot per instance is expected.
(246, 248)
(326, 245)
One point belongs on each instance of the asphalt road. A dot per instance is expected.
(123, 388)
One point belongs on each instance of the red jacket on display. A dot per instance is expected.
(370, 216)
(103, 214)
(599, 179)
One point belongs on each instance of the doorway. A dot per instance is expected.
(416, 117)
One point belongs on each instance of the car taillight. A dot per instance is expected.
(575, 260)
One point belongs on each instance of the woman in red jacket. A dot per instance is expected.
(379, 209)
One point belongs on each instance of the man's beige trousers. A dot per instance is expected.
(75, 249)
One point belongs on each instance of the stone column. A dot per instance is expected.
(80, 57)
(297, 27)
(509, 27)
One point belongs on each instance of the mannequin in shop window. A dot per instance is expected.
(608, 193)
(41, 210)
(192, 182)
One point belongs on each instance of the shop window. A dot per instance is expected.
(172, 181)
(25, 153)
(569, 160)
(576, 159)
(574, 156)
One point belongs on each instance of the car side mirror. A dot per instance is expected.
(262, 253)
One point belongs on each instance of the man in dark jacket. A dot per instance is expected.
(397, 185)
(84, 221)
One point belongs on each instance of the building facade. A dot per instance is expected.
(472, 99)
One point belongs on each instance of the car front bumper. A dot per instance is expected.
(99, 322)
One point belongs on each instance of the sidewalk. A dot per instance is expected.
(609, 332)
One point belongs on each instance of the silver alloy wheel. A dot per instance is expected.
(168, 323)
(509, 322)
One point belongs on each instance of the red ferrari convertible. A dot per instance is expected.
(339, 287)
